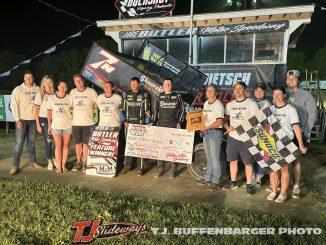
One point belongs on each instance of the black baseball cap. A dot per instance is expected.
(261, 85)
(240, 83)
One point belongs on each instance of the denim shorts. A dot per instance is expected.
(56, 131)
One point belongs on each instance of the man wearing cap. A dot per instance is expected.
(236, 112)
(305, 104)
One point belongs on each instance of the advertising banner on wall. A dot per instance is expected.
(173, 144)
(144, 8)
(224, 76)
(268, 26)
(5, 111)
(103, 151)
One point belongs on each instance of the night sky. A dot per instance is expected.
(29, 27)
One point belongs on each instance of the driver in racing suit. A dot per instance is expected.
(135, 108)
(169, 112)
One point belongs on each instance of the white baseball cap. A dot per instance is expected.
(293, 73)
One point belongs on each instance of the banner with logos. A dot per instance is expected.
(144, 8)
(103, 151)
(5, 111)
(173, 144)
(268, 26)
(224, 76)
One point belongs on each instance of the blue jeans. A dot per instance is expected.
(29, 130)
(212, 145)
(258, 171)
(47, 140)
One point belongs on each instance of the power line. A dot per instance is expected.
(63, 11)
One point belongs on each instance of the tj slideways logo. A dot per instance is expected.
(88, 231)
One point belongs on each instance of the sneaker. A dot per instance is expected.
(140, 172)
(65, 170)
(204, 182)
(36, 165)
(255, 184)
(78, 166)
(172, 175)
(214, 187)
(14, 171)
(250, 190)
(230, 186)
(271, 196)
(84, 168)
(50, 166)
(159, 174)
(296, 192)
(269, 188)
(281, 198)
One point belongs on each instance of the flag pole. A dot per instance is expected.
(190, 35)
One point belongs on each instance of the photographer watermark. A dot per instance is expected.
(237, 231)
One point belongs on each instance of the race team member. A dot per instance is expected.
(288, 118)
(213, 135)
(135, 108)
(41, 104)
(22, 105)
(169, 112)
(84, 100)
(236, 112)
(306, 107)
(259, 94)
(60, 124)
(109, 104)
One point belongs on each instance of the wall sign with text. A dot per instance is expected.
(144, 8)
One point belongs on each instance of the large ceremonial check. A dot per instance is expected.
(103, 151)
(167, 144)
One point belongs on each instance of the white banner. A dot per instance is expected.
(103, 151)
(167, 144)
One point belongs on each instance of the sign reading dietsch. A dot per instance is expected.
(144, 8)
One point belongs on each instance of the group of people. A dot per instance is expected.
(294, 108)
(60, 115)
(49, 112)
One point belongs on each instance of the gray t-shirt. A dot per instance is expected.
(306, 107)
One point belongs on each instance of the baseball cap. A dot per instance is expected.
(261, 85)
(293, 73)
(280, 88)
(240, 83)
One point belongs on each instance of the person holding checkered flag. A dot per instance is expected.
(237, 112)
(287, 116)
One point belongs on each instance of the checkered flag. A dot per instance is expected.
(124, 8)
(267, 141)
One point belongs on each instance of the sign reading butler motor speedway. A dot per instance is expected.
(167, 144)
(144, 8)
(103, 151)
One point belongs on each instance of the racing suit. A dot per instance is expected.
(169, 111)
(135, 109)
